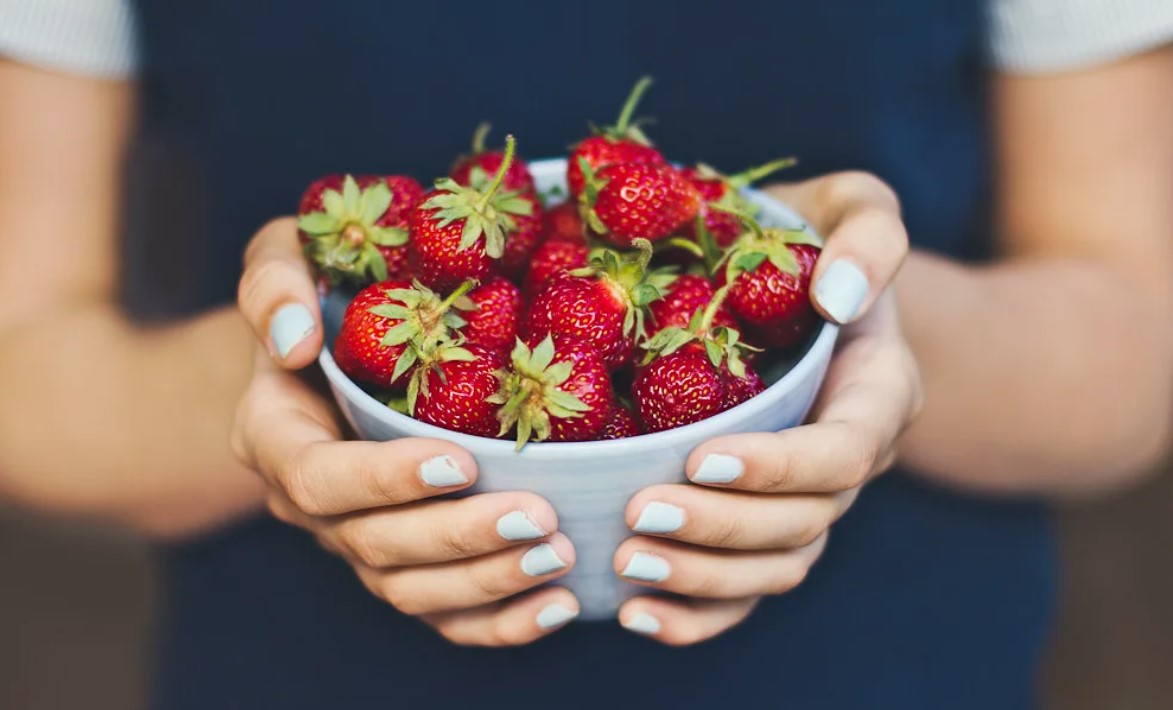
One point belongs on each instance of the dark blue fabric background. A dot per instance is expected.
(924, 599)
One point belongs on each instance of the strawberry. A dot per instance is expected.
(691, 373)
(523, 238)
(621, 424)
(517, 176)
(768, 272)
(678, 388)
(686, 295)
(388, 327)
(565, 223)
(740, 389)
(550, 258)
(492, 313)
(628, 201)
(355, 229)
(558, 390)
(622, 143)
(725, 191)
(457, 232)
(603, 303)
(455, 393)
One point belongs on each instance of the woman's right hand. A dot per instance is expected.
(454, 563)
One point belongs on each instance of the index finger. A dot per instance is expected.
(865, 239)
(277, 295)
(287, 433)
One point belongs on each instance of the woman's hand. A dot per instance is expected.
(453, 563)
(759, 514)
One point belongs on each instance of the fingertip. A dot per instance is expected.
(295, 335)
(841, 290)
(558, 608)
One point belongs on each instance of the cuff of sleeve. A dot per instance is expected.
(1037, 36)
(89, 37)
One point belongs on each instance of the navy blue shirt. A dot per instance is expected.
(924, 598)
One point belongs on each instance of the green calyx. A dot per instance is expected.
(629, 277)
(590, 197)
(722, 345)
(531, 393)
(427, 323)
(485, 211)
(431, 359)
(627, 126)
(345, 236)
(758, 245)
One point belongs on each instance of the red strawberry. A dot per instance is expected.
(559, 390)
(679, 388)
(356, 228)
(622, 143)
(550, 258)
(387, 328)
(603, 304)
(688, 294)
(492, 314)
(740, 389)
(769, 273)
(523, 238)
(517, 177)
(565, 223)
(628, 201)
(621, 424)
(725, 191)
(455, 393)
(457, 232)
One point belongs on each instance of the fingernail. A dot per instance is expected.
(643, 623)
(555, 615)
(291, 324)
(841, 290)
(719, 468)
(442, 472)
(518, 525)
(658, 517)
(541, 559)
(647, 568)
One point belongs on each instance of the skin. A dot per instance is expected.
(1074, 318)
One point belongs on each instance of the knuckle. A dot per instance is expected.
(724, 532)
(786, 579)
(708, 585)
(809, 532)
(489, 584)
(781, 474)
(399, 595)
(299, 487)
(852, 184)
(372, 476)
(260, 280)
(506, 633)
(363, 543)
(455, 542)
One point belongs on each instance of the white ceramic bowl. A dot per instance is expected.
(590, 483)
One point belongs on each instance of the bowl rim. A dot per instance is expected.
(817, 354)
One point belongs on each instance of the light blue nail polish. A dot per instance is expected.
(518, 525)
(719, 468)
(841, 290)
(540, 560)
(658, 517)
(555, 615)
(647, 567)
(643, 623)
(442, 472)
(291, 324)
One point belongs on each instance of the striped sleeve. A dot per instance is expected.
(90, 37)
(1038, 36)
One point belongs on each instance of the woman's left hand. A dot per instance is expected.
(758, 515)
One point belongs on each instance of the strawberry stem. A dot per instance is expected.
(646, 252)
(633, 100)
(479, 136)
(746, 219)
(711, 310)
(499, 177)
(710, 252)
(453, 297)
(748, 177)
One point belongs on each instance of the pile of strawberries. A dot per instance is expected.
(638, 305)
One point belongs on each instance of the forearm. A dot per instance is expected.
(1040, 376)
(108, 419)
